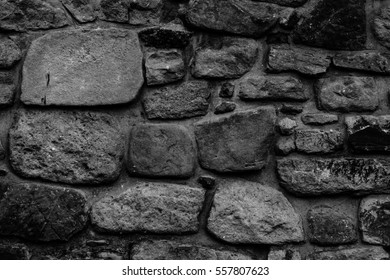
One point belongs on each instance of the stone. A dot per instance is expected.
(81, 10)
(284, 253)
(285, 145)
(161, 150)
(7, 93)
(14, 252)
(3, 170)
(7, 77)
(150, 207)
(303, 60)
(167, 36)
(374, 217)
(291, 109)
(2, 151)
(227, 90)
(225, 107)
(271, 87)
(357, 253)
(83, 68)
(146, 12)
(171, 250)
(287, 126)
(347, 94)
(164, 66)
(245, 212)
(206, 181)
(315, 176)
(115, 10)
(330, 226)
(344, 30)
(22, 15)
(380, 26)
(9, 53)
(225, 57)
(319, 119)
(187, 100)
(317, 141)
(66, 146)
(109, 256)
(370, 61)
(238, 142)
(41, 212)
(288, 3)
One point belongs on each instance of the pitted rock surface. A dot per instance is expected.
(9, 53)
(371, 61)
(356, 253)
(317, 141)
(82, 10)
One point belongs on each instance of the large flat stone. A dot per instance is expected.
(9, 53)
(318, 141)
(244, 212)
(370, 61)
(83, 68)
(237, 142)
(66, 146)
(356, 253)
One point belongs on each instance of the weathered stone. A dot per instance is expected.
(319, 119)
(344, 30)
(358, 253)
(161, 150)
(184, 101)
(250, 213)
(285, 145)
(291, 109)
(334, 176)
(287, 126)
(316, 141)
(66, 146)
(2, 152)
(41, 212)
(225, 107)
(272, 88)
(81, 10)
(115, 10)
(206, 181)
(374, 216)
(150, 207)
(167, 36)
(237, 142)
(6, 77)
(109, 256)
(284, 253)
(13, 252)
(227, 90)
(21, 15)
(164, 66)
(288, 3)
(303, 60)
(330, 226)
(171, 250)
(346, 93)
(371, 61)
(381, 23)
(7, 93)
(83, 68)
(9, 53)
(225, 57)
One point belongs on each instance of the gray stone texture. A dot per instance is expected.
(82, 10)
(14, 252)
(9, 53)
(285, 145)
(284, 253)
(370, 61)
(356, 253)
(380, 26)
(287, 126)
(319, 119)
(225, 107)
(318, 141)
(288, 3)
(7, 93)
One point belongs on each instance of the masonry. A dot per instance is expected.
(200, 129)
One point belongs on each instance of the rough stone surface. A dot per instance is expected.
(374, 216)
(347, 94)
(227, 90)
(7, 93)
(184, 101)
(319, 119)
(287, 126)
(81, 10)
(97, 67)
(150, 207)
(250, 213)
(9, 53)
(285, 145)
(237, 142)
(115, 10)
(284, 253)
(288, 3)
(171, 250)
(161, 150)
(2, 151)
(371, 61)
(225, 107)
(359, 253)
(291, 109)
(66, 146)
(225, 57)
(303, 60)
(334, 176)
(40, 212)
(381, 23)
(272, 88)
(206, 181)
(317, 141)
(13, 252)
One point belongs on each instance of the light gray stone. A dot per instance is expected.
(317, 141)
(9, 53)
(287, 126)
(285, 145)
(319, 118)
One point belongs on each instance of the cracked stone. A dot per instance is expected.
(9, 53)
(319, 119)
(317, 141)
(358, 253)
(371, 61)
(81, 10)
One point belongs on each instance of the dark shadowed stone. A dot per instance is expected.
(206, 181)
(381, 26)
(9, 53)
(224, 57)
(334, 176)
(316, 141)
(287, 126)
(41, 212)
(374, 216)
(21, 15)
(334, 24)
(225, 107)
(288, 3)
(171, 250)
(245, 212)
(83, 68)
(7, 77)
(66, 146)
(358, 253)
(237, 142)
(2, 152)
(347, 94)
(291, 109)
(164, 66)
(227, 90)
(161, 150)
(330, 226)
(287, 252)
(272, 88)
(13, 252)
(178, 102)
(81, 10)
(319, 119)
(7, 93)
(371, 61)
(303, 60)
(150, 207)
(166, 36)
(285, 145)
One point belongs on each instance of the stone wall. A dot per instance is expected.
(201, 129)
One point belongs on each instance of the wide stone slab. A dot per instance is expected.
(312, 177)
(238, 142)
(318, 141)
(66, 146)
(319, 119)
(356, 253)
(41, 212)
(83, 68)
(152, 208)
(245, 212)
(371, 61)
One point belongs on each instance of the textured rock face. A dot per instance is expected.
(250, 213)
(347, 94)
(319, 119)
(81, 10)
(359, 253)
(171, 250)
(150, 207)
(284, 253)
(287, 126)
(380, 27)
(227, 90)
(334, 176)
(371, 61)
(237, 142)
(2, 151)
(317, 141)
(9, 53)
(13, 252)
(66, 146)
(115, 10)
(7, 93)
(285, 145)
(107, 69)
(374, 215)
(224, 107)
(41, 212)
(167, 36)
(161, 150)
